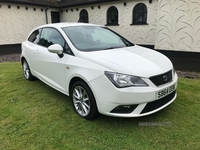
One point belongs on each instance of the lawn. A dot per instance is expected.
(34, 116)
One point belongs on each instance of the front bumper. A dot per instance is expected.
(139, 101)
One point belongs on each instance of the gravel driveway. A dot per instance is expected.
(10, 58)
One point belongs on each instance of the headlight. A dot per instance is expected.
(123, 80)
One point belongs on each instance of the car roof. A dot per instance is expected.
(67, 24)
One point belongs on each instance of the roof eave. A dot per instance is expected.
(85, 3)
(55, 5)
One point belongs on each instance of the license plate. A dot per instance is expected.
(164, 92)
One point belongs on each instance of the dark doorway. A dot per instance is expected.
(55, 17)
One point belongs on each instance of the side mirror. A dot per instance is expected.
(56, 48)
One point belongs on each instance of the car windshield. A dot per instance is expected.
(93, 38)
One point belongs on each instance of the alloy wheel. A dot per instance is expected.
(81, 101)
(26, 70)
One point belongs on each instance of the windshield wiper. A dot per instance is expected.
(111, 48)
(129, 45)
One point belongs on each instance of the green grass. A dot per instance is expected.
(34, 116)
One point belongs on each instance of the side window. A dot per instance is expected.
(51, 36)
(34, 37)
(112, 16)
(67, 50)
(83, 16)
(140, 14)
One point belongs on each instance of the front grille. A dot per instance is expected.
(158, 103)
(162, 79)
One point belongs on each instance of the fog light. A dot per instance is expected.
(124, 109)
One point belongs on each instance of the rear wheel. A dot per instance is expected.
(83, 101)
(27, 71)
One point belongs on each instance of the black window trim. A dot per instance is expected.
(139, 23)
(112, 24)
(39, 30)
(83, 10)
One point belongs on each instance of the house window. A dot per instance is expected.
(140, 14)
(55, 17)
(112, 16)
(83, 16)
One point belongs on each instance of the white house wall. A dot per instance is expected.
(15, 24)
(172, 24)
(139, 34)
(178, 25)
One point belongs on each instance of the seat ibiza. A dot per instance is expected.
(100, 70)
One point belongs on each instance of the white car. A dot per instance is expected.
(100, 70)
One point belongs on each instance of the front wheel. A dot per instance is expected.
(83, 101)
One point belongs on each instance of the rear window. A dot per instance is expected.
(35, 36)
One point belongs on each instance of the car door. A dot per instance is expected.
(31, 46)
(50, 68)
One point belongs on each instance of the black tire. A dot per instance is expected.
(83, 101)
(27, 72)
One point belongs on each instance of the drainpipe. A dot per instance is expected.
(46, 14)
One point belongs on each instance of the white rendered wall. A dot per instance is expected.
(172, 24)
(178, 26)
(15, 24)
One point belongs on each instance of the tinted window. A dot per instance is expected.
(51, 36)
(34, 37)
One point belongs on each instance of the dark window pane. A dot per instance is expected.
(112, 16)
(83, 16)
(140, 14)
(51, 36)
(34, 37)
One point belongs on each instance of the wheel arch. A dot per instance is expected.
(78, 79)
(75, 79)
(22, 59)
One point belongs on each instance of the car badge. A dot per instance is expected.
(165, 78)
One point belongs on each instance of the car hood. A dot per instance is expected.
(135, 60)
